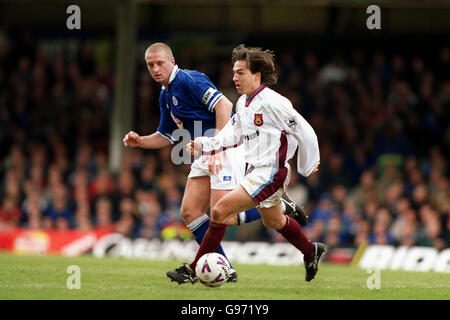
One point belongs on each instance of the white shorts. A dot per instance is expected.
(225, 179)
(266, 185)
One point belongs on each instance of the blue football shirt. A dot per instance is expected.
(190, 97)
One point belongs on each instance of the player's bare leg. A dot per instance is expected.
(231, 204)
(273, 217)
(196, 198)
(216, 195)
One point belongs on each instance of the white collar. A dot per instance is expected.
(173, 74)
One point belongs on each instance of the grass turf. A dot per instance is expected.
(44, 278)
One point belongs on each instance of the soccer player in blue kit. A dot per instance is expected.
(187, 97)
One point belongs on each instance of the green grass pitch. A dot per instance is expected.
(45, 278)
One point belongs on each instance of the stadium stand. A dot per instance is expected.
(382, 118)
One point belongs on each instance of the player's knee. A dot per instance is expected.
(217, 215)
(188, 214)
(272, 223)
(233, 221)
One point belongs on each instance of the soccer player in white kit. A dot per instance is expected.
(188, 98)
(271, 131)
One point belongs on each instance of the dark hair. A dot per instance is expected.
(258, 60)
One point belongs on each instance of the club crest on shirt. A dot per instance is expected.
(258, 120)
(174, 100)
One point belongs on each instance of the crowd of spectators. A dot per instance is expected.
(383, 122)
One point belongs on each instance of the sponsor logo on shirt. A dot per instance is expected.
(251, 136)
(226, 178)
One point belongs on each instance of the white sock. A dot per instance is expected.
(241, 218)
(197, 222)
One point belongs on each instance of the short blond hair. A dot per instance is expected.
(159, 46)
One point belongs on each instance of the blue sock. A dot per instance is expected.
(249, 216)
(199, 227)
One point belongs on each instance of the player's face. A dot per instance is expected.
(160, 66)
(245, 81)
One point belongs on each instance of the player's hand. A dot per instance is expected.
(194, 147)
(214, 162)
(316, 168)
(131, 139)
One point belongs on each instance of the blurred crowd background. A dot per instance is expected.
(382, 118)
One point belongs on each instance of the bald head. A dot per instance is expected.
(157, 47)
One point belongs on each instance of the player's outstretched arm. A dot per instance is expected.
(152, 141)
(229, 137)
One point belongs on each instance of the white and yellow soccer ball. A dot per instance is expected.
(213, 269)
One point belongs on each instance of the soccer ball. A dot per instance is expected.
(213, 269)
